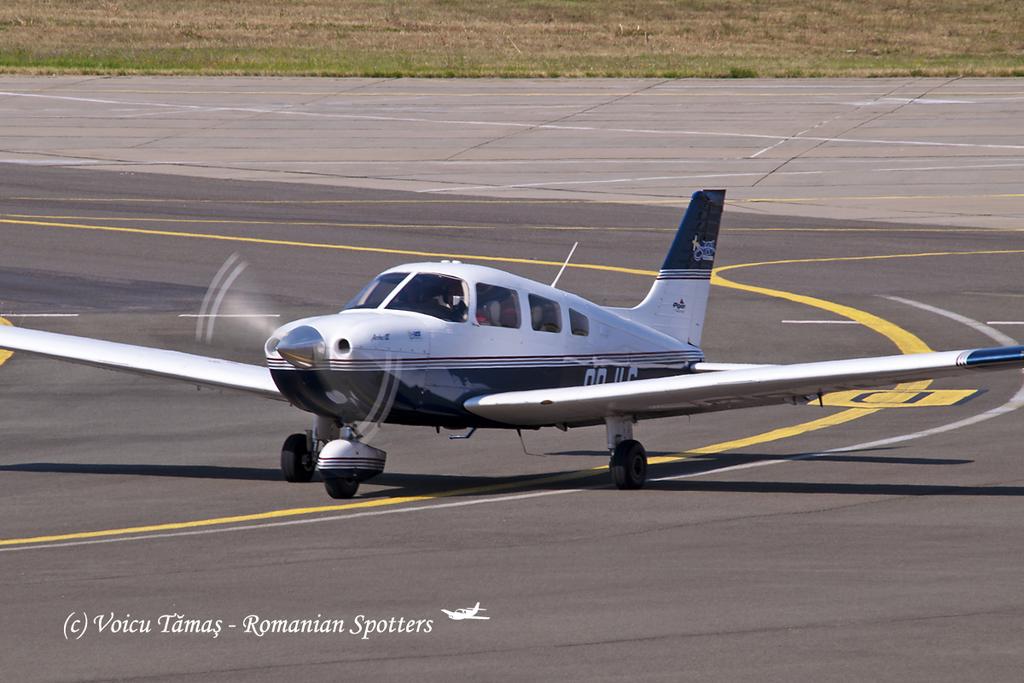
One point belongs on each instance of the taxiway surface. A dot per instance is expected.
(122, 495)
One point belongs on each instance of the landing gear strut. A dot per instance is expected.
(628, 464)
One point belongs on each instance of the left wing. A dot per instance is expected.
(729, 389)
(142, 360)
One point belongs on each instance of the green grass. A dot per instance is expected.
(516, 38)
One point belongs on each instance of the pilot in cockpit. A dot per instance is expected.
(434, 295)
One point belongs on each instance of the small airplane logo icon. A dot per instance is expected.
(466, 613)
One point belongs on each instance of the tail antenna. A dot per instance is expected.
(554, 283)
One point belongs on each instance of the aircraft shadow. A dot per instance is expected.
(834, 488)
(140, 470)
(421, 484)
(399, 484)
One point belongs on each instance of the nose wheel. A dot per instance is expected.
(297, 462)
(341, 487)
(628, 465)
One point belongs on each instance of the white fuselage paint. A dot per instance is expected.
(381, 334)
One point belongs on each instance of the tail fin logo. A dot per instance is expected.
(703, 251)
(679, 305)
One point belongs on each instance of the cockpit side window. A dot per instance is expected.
(373, 294)
(578, 323)
(496, 306)
(545, 314)
(440, 296)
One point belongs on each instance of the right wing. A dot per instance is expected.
(142, 360)
(726, 389)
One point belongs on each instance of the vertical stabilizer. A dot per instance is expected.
(678, 299)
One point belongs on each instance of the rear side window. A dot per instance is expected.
(579, 323)
(374, 293)
(545, 314)
(496, 306)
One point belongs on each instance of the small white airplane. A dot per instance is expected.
(465, 613)
(462, 346)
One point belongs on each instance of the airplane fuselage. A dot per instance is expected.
(506, 333)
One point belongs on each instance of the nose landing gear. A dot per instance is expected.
(338, 453)
(345, 462)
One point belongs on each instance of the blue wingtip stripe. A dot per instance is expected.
(998, 355)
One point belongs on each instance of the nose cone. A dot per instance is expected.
(303, 347)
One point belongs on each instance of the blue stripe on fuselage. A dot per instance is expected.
(432, 397)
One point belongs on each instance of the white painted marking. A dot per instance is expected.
(1005, 322)
(585, 182)
(53, 162)
(512, 124)
(229, 315)
(1016, 401)
(39, 315)
(907, 100)
(798, 135)
(945, 168)
(308, 520)
(607, 181)
(982, 328)
(821, 322)
(766, 149)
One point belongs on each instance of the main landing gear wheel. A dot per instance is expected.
(297, 463)
(629, 465)
(341, 487)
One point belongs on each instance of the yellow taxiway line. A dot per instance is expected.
(443, 226)
(320, 245)
(906, 341)
(669, 201)
(5, 354)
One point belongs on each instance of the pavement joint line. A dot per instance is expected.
(906, 341)
(511, 124)
(435, 226)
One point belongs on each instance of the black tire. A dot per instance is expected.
(297, 463)
(629, 465)
(341, 487)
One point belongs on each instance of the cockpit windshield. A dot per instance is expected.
(440, 296)
(373, 294)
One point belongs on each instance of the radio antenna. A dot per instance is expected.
(554, 283)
